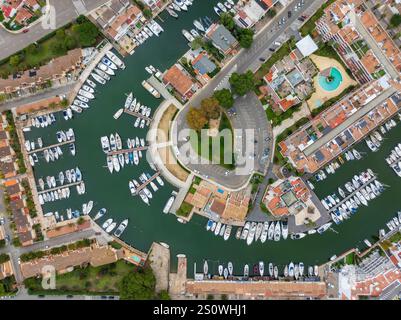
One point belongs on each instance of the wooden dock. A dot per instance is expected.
(138, 115)
(141, 187)
(111, 153)
(52, 146)
(60, 187)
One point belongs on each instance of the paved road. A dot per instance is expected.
(52, 92)
(65, 12)
(245, 60)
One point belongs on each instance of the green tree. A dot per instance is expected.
(395, 20)
(197, 43)
(15, 60)
(139, 285)
(271, 13)
(163, 295)
(70, 42)
(32, 49)
(245, 38)
(225, 98)
(60, 34)
(58, 47)
(86, 33)
(210, 108)
(196, 119)
(147, 13)
(4, 258)
(241, 84)
(227, 20)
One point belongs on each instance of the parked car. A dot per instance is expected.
(25, 30)
(262, 59)
(2, 221)
(289, 14)
(272, 50)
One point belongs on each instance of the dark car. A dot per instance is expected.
(289, 14)
(262, 59)
(271, 49)
(25, 30)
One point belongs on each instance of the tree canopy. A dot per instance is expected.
(210, 108)
(227, 20)
(225, 98)
(196, 119)
(86, 33)
(241, 84)
(245, 37)
(395, 20)
(138, 285)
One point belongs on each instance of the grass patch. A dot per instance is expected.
(92, 280)
(184, 210)
(350, 259)
(204, 145)
(8, 286)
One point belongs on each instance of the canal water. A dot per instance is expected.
(148, 223)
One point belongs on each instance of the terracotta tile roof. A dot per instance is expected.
(178, 79)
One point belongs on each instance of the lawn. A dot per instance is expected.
(93, 280)
(184, 210)
(204, 146)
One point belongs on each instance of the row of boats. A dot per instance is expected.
(393, 224)
(349, 155)
(143, 112)
(71, 214)
(44, 120)
(293, 270)
(394, 159)
(375, 139)
(64, 177)
(227, 6)
(141, 189)
(109, 225)
(128, 156)
(148, 31)
(107, 67)
(360, 190)
(252, 231)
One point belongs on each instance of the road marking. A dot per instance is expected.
(79, 6)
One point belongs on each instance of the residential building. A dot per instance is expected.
(179, 80)
(222, 39)
(250, 12)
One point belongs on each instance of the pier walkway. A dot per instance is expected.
(52, 146)
(111, 153)
(60, 187)
(137, 114)
(142, 186)
(352, 194)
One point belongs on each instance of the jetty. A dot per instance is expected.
(52, 146)
(61, 187)
(142, 186)
(138, 115)
(122, 151)
(351, 195)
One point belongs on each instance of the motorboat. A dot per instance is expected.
(227, 232)
(187, 35)
(172, 13)
(194, 33)
(116, 163)
(251, 233)
(198, 25)
(246, 271)
(261, 268)
(72, 149)
(107, 223)
(270, 233)
(291, 268)
(263, 237)
(98, 78)
(80, 104)
(217, 230)
(116, 60)
(111, 227)
(91, 83)
(119, 143)
(168, 205)
(277, 231)
(109, 63)
(221, 7)
(245, 231)
(298, 236)
(86, 94)
(284, 229)
(271, 269)
(105, 144)
(259, 229)
(230, 268)
(102, 74)
(120, 229)
(220, 270)
(222, 230)
(100, 214)
(105, 69)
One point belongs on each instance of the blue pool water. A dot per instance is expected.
(334, 83)
(220, 191)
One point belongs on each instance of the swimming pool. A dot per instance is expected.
(331, 82)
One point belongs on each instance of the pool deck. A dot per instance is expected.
(320, 96)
